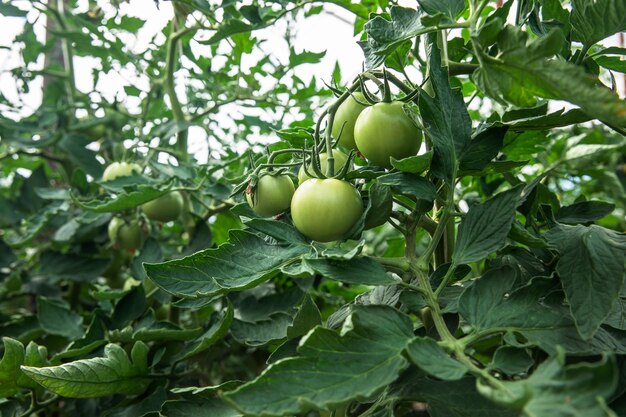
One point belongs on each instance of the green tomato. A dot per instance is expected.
(383, 131)
(345, 117)
(120, 169)
(129, 236)
(272, 195)
(340, 161)
(165, 208)
(325, 210)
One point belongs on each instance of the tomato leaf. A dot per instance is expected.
(417, 164)
(593, 21)
(450, 398)
(212, 407)
(384, 36)
(584, 212)
(522, 72)
(511, 360)
(560, 389)
(482, 149)
(485, 303)
(411, 185)
(244, 262)
(96, 377)
(485, 227)
(445, 118)
(591, 268)
(361, 270)
(332, 367)
(55, 317)
(448, 8)
(430, 357)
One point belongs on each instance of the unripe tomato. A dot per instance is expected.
(383, 131)
(340, 161)
(165, 208)
(272, 195)
(325, 210)
(347, 113)
(120, 169)
(128, 236)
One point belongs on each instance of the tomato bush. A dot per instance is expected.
(384, 131)
(325, 209)
(480, 274)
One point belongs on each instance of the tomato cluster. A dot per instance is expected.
(327, 209)
(130, 234)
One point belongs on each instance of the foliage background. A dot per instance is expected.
(526, 199)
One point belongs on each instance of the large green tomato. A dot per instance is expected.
(120, 169)
(383, 131)
(128, 236)
(347, 113)
(272, 195)
(325, 210)
(340, 161)
(165, 208)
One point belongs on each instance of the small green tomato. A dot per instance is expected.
(120, 169)
(272, 195)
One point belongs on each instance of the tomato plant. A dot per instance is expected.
(384, 131)
(482, 277)
(325, 209)
(345, 118)
(120, 169)
(271, 195)
(165, 208)
(340, 160)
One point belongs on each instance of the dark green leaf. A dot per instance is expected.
(445, 118)
(414, 164)
(482, 149)
(511, 360)
(561, 391)
(584, 212)
(244, 262)
(430, 357)
(56, 318)
(379, 205)
(333, 368)
(360, 270)
(217, 330)
(486, 226)
(411, 185)
(591, 268)
(489, 303)
(593, 21)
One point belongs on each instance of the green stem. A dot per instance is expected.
(400, 262)
(583, 53)
(461, 68)
(170, 85)
(445, 280)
